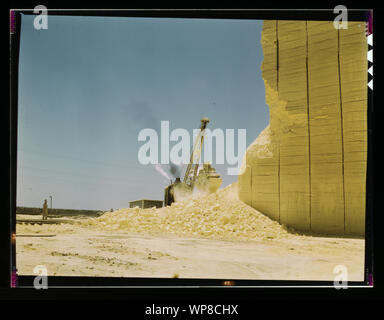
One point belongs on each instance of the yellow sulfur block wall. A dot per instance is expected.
(307, 168)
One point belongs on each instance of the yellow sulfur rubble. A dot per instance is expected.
(219, 215)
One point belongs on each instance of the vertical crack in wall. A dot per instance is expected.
(277, 87)
(309, 130)
(341, 121)
(277, 55)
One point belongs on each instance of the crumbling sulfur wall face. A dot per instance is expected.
(307, 168)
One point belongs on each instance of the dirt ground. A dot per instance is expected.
(76, 250)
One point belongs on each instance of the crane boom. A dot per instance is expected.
(193, 166)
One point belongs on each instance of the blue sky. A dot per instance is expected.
(88, 85)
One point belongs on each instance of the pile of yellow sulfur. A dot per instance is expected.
(219, 215)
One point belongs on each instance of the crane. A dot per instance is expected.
(207, 180)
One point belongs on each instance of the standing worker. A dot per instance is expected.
(45, 210)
